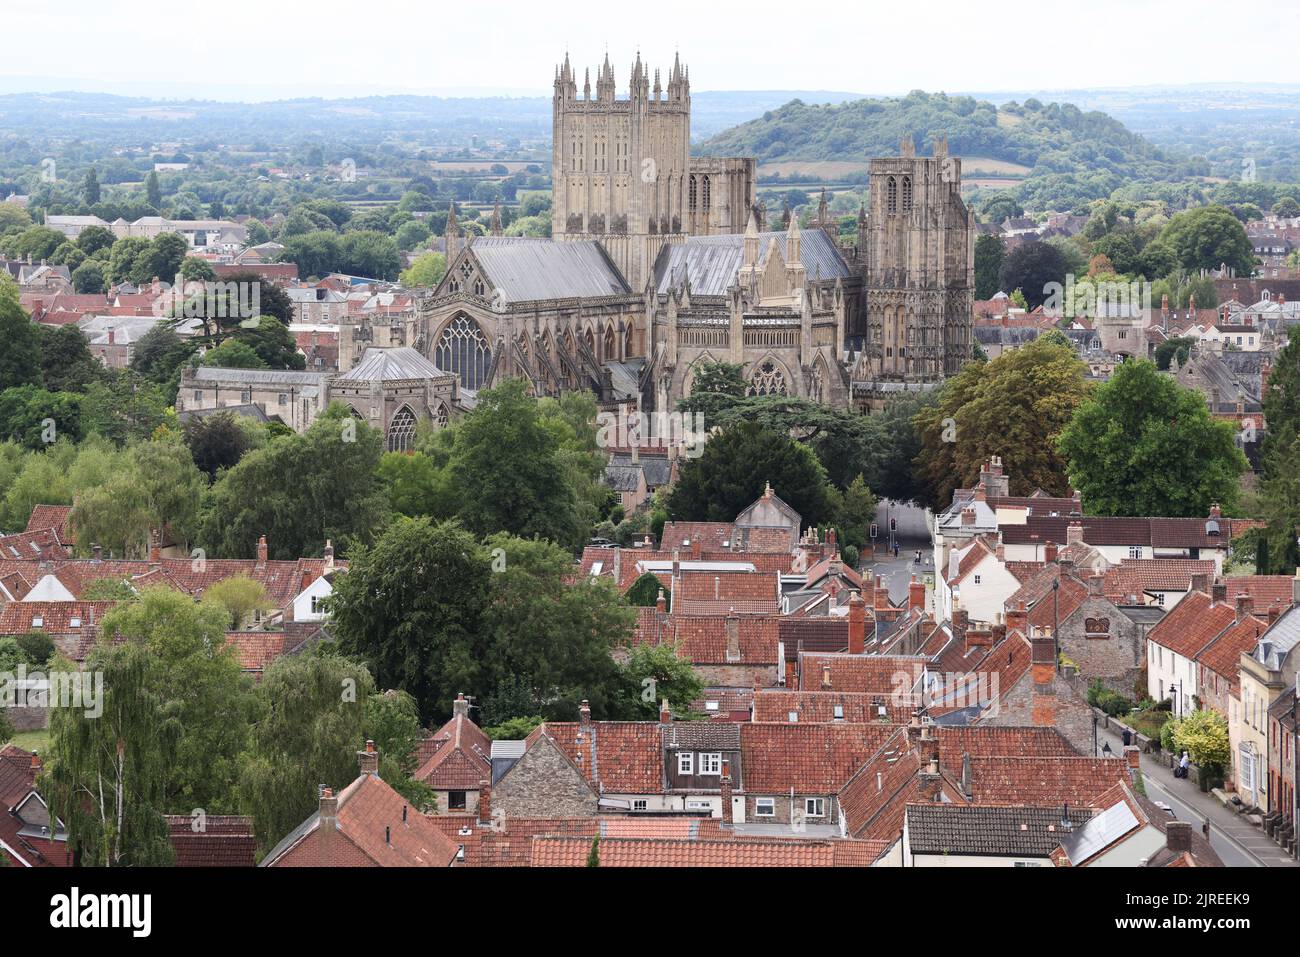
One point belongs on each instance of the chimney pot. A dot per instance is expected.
(1245, 606)
(368, 760)
(584, 712)
(1218, 593)
(665, 712)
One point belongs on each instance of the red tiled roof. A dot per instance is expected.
(811, 758)
(819, 706)
(256, 649)
(862, 673)
(1223, 656)
(552, 851)
(1131, 578)
(221, 841)
(703, 640)
(1266, 590)
(1193, 624)
(462, 759)
(622, 757)
(51, 516)
(1044, 781)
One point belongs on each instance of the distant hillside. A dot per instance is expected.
(1030, 139)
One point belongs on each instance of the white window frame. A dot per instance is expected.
(640, 804)
(838, 712)
(764, 807)
(814, 802)
(710, 763)
(685, 762)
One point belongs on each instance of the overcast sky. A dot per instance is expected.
(265, 49)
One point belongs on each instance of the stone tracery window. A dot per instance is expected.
(464, 350)
(768, 379)
(401, 430)
(440, 416)
(907, 194)
(692, 194)
(891, 194)
(706, 191)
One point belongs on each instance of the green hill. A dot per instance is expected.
(1072, 156)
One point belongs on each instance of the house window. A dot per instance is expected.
(765, 807)
(283, 399)
(686, 762)
(977, 579)
(639, 805)
(455, 800)
(1160, 598)
(792, 716)
(317, 606)
(839, 712)
(699, 806)
(711, 762)
(814, 807)
(198, 395)
(38, 622)
(1135, 551)
(710, 706)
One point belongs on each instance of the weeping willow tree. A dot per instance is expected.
(309, 724)
(107, 774)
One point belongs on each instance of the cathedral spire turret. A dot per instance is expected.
(496, 219)
(452, 233)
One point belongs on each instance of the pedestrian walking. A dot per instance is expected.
(1183, 763)
(1205, 828)
(1128, 737)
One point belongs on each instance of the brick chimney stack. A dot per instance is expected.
(485, 801)
(1043, 671)
(725, 786)
(661, 603)
(916, 594)
(261, 552)
(733, 636)
(665, 712)
(1218, 593)
(460, 707)
(584, 713)
(960, 624)
(857, 625)
(36, 762)
(1245, 606)
(329, 806)
(1178, 836)
(1074, 533)
(328, 554)
(1017, 616)
(1049, 552)
(368, 759)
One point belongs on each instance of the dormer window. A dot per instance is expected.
(75, 622)
(711, 762)
(686, 762)
(38, 622)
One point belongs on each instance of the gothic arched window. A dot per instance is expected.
(768, 379)
(609, 346)
(692, 195)
(401, 430)
(907, 194)
(440, 416)
(462, 349)
(706, 194)
(891, 194)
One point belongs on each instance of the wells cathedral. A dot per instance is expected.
(660, 262)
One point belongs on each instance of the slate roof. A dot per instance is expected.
(710, 263)
(988, 831)
(270, 377)
(529, 270)
(389, 365)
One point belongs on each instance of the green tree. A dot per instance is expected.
(233, 354)
(988, 264)
(106, 776)
(857, 513)
(505, 463)
(554, 634)
(1203, 735)
(90, 187)
(393, 723)
(20, 359)
(1014, 406)
(290, 491)
(202, 696)
(272, 342)
(36, 417)
(735, 467)
(645, 591)
(425, 270)
(653, 673)
(1144, 445)
(67, 364)
(1032, 268)
(239, 598)
(1207, 237)
(216, 442)
(88, 278)
(309, 723)
(152, 191)
(412, 608)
